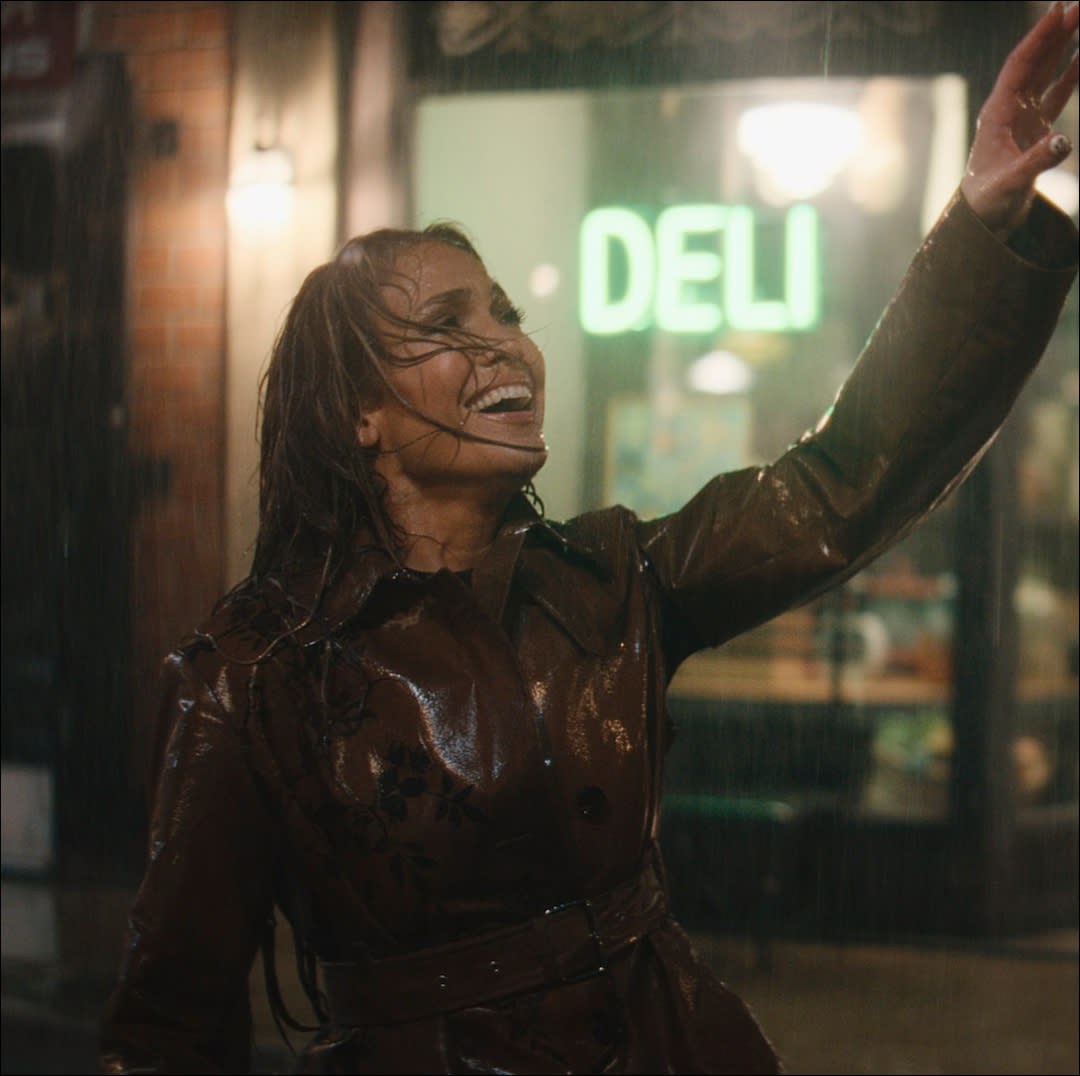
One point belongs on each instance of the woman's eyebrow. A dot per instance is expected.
(450, 297)
(498, 294)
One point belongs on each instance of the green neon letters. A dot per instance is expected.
(669, 280)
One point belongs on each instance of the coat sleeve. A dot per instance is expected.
(181, 1004)
(935, 382)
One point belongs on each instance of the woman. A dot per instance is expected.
(430, 727)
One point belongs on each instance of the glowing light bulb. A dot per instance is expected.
(799, 147)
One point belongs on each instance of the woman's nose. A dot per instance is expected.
(501, 348)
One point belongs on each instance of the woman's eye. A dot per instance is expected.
(448, 321)
(511, 315)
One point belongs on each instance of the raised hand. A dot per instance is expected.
(1014, 137)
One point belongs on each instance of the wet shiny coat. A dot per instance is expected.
(412, 759)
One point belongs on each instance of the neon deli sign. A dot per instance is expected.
(694, 271)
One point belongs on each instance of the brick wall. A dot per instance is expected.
(177, 57)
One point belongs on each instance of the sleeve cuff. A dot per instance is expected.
(1047, 239)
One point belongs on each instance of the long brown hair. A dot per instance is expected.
(318, 488)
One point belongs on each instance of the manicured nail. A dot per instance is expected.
(1060, 146)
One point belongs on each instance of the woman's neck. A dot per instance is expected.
(452, 533)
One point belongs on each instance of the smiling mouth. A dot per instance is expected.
(502, 399)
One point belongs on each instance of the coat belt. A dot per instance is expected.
(566, 943)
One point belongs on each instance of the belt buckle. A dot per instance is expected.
(599, 966)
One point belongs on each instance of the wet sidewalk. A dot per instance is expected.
(1010, 1008)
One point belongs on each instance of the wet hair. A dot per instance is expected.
(319, 490)
(318, 487)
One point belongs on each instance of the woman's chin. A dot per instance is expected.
(533, 460)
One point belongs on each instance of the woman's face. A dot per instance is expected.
(479, 411)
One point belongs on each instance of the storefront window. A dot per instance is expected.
(701, 266)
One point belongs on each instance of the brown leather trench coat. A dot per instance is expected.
(452, 787)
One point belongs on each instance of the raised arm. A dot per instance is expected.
(933, 385)
(1014, 137)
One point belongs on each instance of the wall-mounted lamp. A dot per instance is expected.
(262, 186)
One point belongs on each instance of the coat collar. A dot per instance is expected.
(319, 610)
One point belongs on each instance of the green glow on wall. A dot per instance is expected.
(669, 277)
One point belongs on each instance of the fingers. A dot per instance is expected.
(1032, 64)
(1045, 154)
(1056, 97)
(1054, 47)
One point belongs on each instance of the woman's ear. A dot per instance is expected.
(367, 433)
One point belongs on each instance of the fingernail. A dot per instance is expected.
(1060, 145)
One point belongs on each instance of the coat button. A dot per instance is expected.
(592, 804)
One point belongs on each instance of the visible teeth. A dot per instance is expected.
(497, 395)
